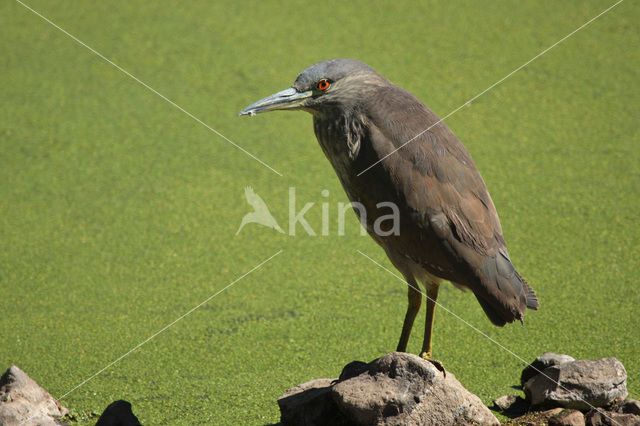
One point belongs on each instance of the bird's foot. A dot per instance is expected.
(427, 357)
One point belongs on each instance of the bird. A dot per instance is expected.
(385, 145)
(260, 213)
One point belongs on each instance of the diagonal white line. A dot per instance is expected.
(495, 84)
(474, 327)
(170, 324)
(128, 74)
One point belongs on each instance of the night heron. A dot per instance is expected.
(448, 228)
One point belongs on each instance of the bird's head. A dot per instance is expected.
(334, 83)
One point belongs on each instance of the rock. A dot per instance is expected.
(310, 404)
(402, 388)
(581, 385)
(511, 405)
(599, 417)
(567, 418)
(398, 388)
(23, 402)
(504, 402)
(545, 360)
(630, 406)
(547, 414)
(554, 416)
(354, 368)
(118, 413)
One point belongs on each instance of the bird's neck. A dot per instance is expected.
(340, 135)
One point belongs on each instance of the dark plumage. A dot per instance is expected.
(449, 228)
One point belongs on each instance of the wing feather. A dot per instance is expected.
(439, 182)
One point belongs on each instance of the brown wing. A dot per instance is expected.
(436, 177)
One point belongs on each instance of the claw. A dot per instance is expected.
(427, 357)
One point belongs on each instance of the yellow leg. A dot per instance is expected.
(415, 299)
(432, 296)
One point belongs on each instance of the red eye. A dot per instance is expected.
(323, 84)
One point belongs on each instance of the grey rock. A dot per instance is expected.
(567, 418)
(310, 404)
(397, 389)
(581, 385)
(23, 402)
(511, 405)
(599, 417)
(118, 413)
(545, 360)
(402, 388)
(504, 402)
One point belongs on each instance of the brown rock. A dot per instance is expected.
(23, 402)
(536, 418)
(599, 417)
(567, 418)
(630, 406)
(547, 414)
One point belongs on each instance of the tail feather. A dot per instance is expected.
(532, 299)
(504, 294)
